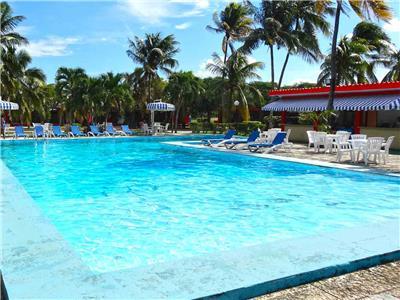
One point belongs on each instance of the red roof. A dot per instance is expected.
(341, 90)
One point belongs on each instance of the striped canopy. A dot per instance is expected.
(354, 103)
(5, 105)
(160, 106)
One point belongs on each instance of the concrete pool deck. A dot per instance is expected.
(38, 263)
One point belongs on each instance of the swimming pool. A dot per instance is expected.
(124, 203)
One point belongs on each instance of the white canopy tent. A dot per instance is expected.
(158, 105)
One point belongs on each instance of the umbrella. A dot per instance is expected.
(158, 105)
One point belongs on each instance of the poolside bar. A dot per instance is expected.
(373, 109)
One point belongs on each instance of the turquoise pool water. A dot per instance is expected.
(123, 203)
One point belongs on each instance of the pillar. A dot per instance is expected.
(357, 122)
(283, 120)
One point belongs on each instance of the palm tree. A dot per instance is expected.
(10, 38)
(392, 62)
(154, 53)
(272, 18)
(351, 64)
(183, 88)
(71, 86)
(21, 83)
(364, 9)
(116, 94)
(304, 24)
(235, 23)
(238, 70)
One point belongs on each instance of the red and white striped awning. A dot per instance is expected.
(351, 103)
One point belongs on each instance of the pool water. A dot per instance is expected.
(124, 203)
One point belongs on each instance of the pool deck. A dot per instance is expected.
(38, 263)
(377, 283)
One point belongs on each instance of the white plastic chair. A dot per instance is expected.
(47, 129)
(320, 140)
(358, 136)
(372, 147)
(385, 151)
(311, 139)
(343, 146)
(343, 137)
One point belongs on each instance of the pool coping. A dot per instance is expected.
(42, 264)
(319, 163)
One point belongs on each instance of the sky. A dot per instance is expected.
(94, 35)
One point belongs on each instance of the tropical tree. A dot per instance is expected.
(351, 64)
(238, 71)
(392, 62)
(364, 9)
(183, 88)
(71, 86)
(272, 18)
(115, 93)
(154, 53)
(9, 37)
(234, 22)
(303, 25)
(20, 83)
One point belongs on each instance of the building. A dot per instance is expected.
(372, 109)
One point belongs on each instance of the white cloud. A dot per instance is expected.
(22, 29)
(183, 26)
(155, 11)
(202, 72)
(393, 25)
(51, 46)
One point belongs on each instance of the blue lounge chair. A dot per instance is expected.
(94, 131)
(228, 135)
(19, 132)
(110, 129)
(126, 131)
(242, 143)
(38, 131)
(57, 131)
(276, 143)
(75, 131)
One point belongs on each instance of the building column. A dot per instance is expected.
(357, 122)
(283, 120)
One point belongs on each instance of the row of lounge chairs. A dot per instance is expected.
(75, 131)
(253, 143)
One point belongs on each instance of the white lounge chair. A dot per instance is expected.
(286, 144)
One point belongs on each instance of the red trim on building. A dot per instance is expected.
(341, 90)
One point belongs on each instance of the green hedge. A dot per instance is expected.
(242, 128)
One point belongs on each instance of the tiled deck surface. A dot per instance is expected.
(302, 152)
(377, 283)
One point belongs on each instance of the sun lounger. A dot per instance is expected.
(57, 132)
(219, 142)
(94, 131)
(110, 130)
(19, 132)
(126, 131)
(38, 131)
(75, 131)
(276, 143)
(242, 143)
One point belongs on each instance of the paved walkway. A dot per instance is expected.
(377, 283)
(301, 151)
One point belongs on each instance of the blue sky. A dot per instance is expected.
(94, 35)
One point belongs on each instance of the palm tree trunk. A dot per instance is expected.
(223, 102)
(283, 69)
(176, 118)
(271, 47)
(149, 89)
(333, 57)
